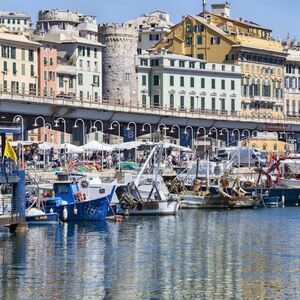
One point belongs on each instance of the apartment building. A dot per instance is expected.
(15, 22)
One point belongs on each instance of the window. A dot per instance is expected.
(192, 82)
(61, 81)
(213, 83)
(192, 102)
(182, 81)
(233, 105)
(51, 61)
(181, 64)
(181, 102)
(80, 64)
(15, 86)
(95, 52)
(13, 52)
(223, 68)
(81, 95)
(154, 37)
(223, 84)
(23, 54)
(199, 40)
(222, 100)
(156, 101)
(203, 83)
(30, 55)
(156, 80)
(172, 63)
(71, 83)
(192, 65)
(154, 62)
(5, 66)
(45, 61)
(80, 79)
(215, 40)
(144, 62)
(213, 104)
(88, 65)
(199, 28)
(144, 80)
(95, 67)
(45, 75)
(189, 28)
(171, 101)
(144, 100)
(202, 103)
(189, 40)
(32, 74)
(171, 80)
(32, 89)
(88, 52)
(5, 52)
(200, 56)
(96, 80)
(232, 85)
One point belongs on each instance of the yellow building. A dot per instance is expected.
(215, 37)
(19, 63)
(269, 144)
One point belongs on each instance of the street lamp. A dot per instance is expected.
(135, 138)
(192, 132)
(56, 125)
(210, 132)
(227, 135)
(150, 128)
(119, 132)
(18, 119)
(83, 129)
(205, 134)
(36, 125)
(239, 139)
(165, 128)
(94, 127)
(178, 129)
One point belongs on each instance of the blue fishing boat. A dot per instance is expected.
(73, 202)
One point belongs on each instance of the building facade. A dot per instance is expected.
(47, 57)
(216, 37)
(19, 63)
(151, 28)
(119, 53)
(292, 80)
(15, 22)
(79, 69)
(184, 83)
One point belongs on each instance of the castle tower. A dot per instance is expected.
(119, 72)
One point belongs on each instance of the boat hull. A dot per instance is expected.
(163, 208)
(43, 219)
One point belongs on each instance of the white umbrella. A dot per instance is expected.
(96, 146)
(181, 148)
(70, 148)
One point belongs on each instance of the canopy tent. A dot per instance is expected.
(96, 146)
(181, 148)
(46, 146)
(70, 148)
(128, 145)
(22, 143)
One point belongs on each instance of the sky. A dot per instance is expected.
(278, 15)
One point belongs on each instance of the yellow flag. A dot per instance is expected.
(9, 152)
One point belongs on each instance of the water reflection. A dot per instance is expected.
(250, 254)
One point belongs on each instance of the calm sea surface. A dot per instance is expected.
(242, 254)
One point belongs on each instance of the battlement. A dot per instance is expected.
(117, 30)
(59, 16)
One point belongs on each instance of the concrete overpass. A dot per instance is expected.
(31, 106)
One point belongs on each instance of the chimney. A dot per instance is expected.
(222, 9)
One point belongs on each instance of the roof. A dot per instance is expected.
(44, 39)
(65, 39)
(14, 15)
(17, 38)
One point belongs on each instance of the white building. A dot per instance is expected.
(79, 53)
(178, 82)
(152, 28)
(15, 22)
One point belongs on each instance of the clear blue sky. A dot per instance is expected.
(279, 15)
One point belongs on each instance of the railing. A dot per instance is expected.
(117, 105)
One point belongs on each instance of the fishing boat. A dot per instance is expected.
(145, 196)
(72, 203)
(39, 217)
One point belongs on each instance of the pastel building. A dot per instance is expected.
(184, 83)
(15, 22)
(48, 85)
(19, 63)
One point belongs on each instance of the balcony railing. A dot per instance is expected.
(262, 116)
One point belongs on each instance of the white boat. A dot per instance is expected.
(147, 194)
(192, 201)
(289, 183)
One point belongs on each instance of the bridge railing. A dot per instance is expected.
(117, 105)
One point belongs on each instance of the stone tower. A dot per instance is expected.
(119, 55)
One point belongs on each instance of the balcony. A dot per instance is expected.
(65, 68)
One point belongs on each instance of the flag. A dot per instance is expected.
(9, 152)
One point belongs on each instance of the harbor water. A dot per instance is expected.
(241, 254)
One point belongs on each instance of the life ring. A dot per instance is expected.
(84, 184)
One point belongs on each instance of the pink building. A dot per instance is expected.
(47, 66)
